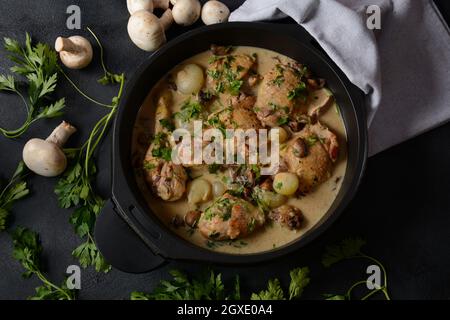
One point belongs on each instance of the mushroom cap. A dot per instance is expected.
(44, 158)
(146, 31)
(137, 5)
(79, 59)
(186, 12)
(215, 12)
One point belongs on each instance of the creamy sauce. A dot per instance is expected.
(314, 205)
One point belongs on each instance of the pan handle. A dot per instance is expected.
(125, 250)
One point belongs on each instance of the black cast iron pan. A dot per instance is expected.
(128, 234)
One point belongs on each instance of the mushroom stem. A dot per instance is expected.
(161, 4)
(65, 44)
(61, 134)
(166, 19)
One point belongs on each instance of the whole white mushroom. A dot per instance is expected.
(186, 12)
(147, 30)
(215, 12)
(75, 52)
(137, 5)
(46, 157)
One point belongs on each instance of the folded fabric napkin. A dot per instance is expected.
(404, 68)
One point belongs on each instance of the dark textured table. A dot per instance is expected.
(402, 208)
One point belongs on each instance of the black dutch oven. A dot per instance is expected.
(127, 232)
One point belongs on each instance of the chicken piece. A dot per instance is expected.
(225, 75)
(238, 115)
(281, 90)
(318, 101)
(287, 216)
(166, 179)
(162, 113)
(230, 217)
(310, 154)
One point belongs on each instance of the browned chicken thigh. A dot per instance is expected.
(310, 154)
(166, 179)
(230, 217)
(281, 90)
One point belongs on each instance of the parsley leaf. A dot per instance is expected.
(39, 65)
(27, 250)
(190, 110)
(299, 280)
(298, 92)
(166, 123)
(273, 292)
(235, 87)
(14, 190)
(208, 286)
(348, 248)
(214, 167)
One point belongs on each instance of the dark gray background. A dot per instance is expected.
(402, 208)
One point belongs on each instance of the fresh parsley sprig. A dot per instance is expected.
(14, 190)
(27, 250)
(351, 249)
(38, 64)
(210, 286)
(75, 188)
(299, 281)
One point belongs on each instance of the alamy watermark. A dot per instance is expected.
(227, 146)
(73, 22)
(74, 277)
(373, 21)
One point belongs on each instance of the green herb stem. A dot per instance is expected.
(50, 284)
(80, 91)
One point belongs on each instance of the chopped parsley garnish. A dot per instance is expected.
(149, 166)
(220, 88)
(235, 87)
(213, 168)
(251, 225)
(282, 121)
(166, 123)
(215, 74)
(162, 152)
(216, 123)
(311, 140)
(190, 110)
(256, 170)
(279, 80)
(161, 148)
(214, 58)
(298, 92)
(279, 185)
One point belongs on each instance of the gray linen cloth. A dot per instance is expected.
(403, 68)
